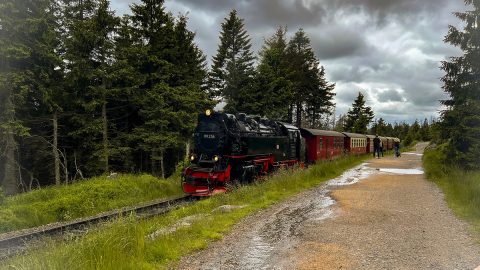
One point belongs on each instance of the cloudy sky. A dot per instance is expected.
(390, 50)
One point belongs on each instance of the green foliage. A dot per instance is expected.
(168, 98)
(272, 91)
(232, 71)
(85, 198)
(359, 116)
(153, 244)
(27, 77)
(461, 187)
(460, 124)
(310, 89)
(2, 196)
(120, 94)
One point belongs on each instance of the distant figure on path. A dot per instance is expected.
(376, 146)
(397, 148)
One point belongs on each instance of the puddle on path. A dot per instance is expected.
(414, 154)
(278, 234)
(263, 247)
(401, 171)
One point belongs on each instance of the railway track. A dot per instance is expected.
(13, 243)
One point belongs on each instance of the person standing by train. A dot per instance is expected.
(381, 147)
(396, 146)
(376, 146)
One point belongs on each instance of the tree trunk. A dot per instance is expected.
(105, 135)
(153, 159)
(56, 155)
(290, 113)
(162, 167)
(299, 114)
(187, 149)
(10, 179)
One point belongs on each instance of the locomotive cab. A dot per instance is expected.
(210, 138)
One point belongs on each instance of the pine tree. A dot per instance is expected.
(359, 116)
(340, 123)
(320, 101)
(310, 90)
(424, 133)
(28, 81)
(272, 90)
(171, 92)
(88, 40)
(379, 127)
(232, 72)
(461, 120)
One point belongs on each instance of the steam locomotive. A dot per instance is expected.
(232, 149)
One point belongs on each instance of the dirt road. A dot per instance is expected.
(381, 215)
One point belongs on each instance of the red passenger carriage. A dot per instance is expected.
(322, 144)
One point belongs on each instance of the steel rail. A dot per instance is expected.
(14, 242)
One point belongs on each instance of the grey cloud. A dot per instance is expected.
(347, 93)
(265, 13)
(385, 10)
(337, 41)
(390, 95)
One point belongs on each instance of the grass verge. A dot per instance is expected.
(461, 188)
(160, 242)
(80, 199)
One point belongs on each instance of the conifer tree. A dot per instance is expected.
(231, 76)
(359, 116)
(424, 133)
(310, 89)
(28, 79)
(88, 40)
(170, 93)
(340, 123)
(320, 101)
(272, 91)
(461, 119)
(379, 127)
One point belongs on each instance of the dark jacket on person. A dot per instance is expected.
(376, 142)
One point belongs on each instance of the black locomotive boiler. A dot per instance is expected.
(238, 148)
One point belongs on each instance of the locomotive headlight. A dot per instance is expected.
(215, 158)
(192, 157)
(208, 112)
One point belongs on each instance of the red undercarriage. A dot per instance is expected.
(199, 181)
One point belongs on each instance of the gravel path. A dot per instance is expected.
(380, 215)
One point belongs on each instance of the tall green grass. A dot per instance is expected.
(80, 199)
(461, 188)
(127, 244)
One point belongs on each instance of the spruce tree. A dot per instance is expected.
(359, 116)
(272, 90)
(88, 40)
(461, 119)
(319, 102)
(28, 81)
(170, 93)
(379, 127)
(310, 90)
(231, 76)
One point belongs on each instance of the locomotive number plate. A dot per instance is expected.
(208, 136)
